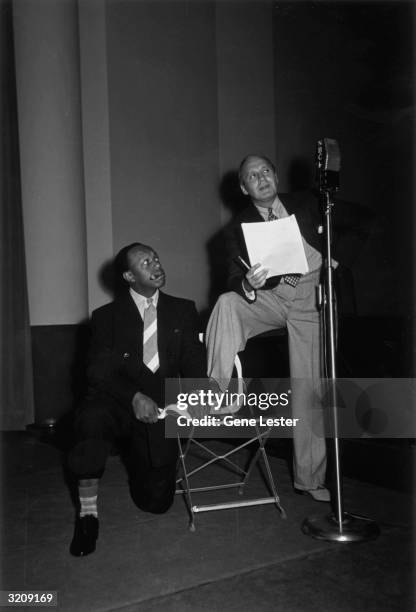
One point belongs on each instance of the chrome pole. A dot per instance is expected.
(338, 526)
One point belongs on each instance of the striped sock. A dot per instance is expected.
(88, 491)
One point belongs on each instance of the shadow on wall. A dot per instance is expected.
(107, 278)
(65, 382)
(300, 174)
(234, 201)
(73, 386)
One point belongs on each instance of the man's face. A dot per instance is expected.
(145, 273)
(259, 181)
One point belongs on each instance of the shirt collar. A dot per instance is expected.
(141, 300)
(277, 207)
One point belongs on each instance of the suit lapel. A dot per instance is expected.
(286, 203)
(129, 327)
(252, 215)
(163, 330)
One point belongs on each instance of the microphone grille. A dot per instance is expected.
(332, 159)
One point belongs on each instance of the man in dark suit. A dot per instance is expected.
(256, 305)
(139, 340)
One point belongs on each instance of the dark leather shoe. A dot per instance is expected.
(85, 536)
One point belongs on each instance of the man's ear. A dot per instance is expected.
(128, 276)
(243, 189)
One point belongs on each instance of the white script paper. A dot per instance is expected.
(276, 245)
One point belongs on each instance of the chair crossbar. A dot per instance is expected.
(238, 504)
(211, 488)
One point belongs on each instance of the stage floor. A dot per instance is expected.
(240, 559)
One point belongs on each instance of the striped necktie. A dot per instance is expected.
(150, 354)
(271, 216)
(289, 279)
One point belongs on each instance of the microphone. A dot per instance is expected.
(328, 164)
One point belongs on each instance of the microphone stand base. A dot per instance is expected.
(354, 528)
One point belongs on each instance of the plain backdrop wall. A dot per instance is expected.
(184, 82)
(245, 85)
(51, 159)
(163, 133)
(96, 146)
(346, 71)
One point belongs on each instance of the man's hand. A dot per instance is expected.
(255, 278)
(145, 409)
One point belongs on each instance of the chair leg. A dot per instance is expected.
(262, 439)
(186, 489)
(271, 480)
(249, 469)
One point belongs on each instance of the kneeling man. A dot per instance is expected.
(139, 340)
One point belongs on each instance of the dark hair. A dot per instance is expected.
(121, 260)
(247, 157)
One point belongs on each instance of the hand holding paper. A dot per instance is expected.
(277, 245)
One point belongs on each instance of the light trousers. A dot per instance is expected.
(233, 321)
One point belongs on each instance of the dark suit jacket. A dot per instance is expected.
(116, 370)
(305, 206)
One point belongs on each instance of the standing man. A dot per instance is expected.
(256, 305)
(139, 340)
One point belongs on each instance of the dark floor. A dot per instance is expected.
(241, 559)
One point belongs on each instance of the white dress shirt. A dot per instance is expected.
(141, 301)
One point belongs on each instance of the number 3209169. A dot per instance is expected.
(28, 598)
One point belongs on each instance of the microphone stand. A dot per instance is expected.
(338, 526)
